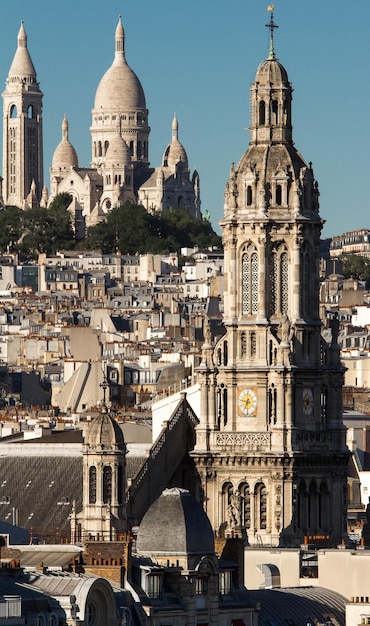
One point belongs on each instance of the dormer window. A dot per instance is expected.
(152, 584)
(225, 582)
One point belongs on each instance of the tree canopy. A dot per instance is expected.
(128, 228)
(356, 266)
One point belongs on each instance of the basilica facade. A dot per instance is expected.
(120, 169)
(271, 451)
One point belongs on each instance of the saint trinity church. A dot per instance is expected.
(266, 455)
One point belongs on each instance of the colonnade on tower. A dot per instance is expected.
(271, 448)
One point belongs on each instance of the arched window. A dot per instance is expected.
(107, 484)
(224, 404)
(13, 111)
(312, 507)
(261, 506)
(305, 289)
(246, 504)
(278, 195)
(226, 493)
(99, 149)
(106, 146)
(275, 112)
(250, 281)
(278, 278)
(262, 113)
(121, 486)
(302, 505)
(225, 359)
(92, 485)
(131, 148)
(324, 520)
(139, 150)
(243, 344)
(253, 347)
(30, 112)
(249, 195)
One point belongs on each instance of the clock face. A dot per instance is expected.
(307, 398)
(247, 402)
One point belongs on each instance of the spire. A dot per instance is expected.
(271, 26)
(120, 40)
(175, 127)
(22, 36)
(22, 68)
(65, 128)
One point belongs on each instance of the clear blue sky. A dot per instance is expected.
(198, 59)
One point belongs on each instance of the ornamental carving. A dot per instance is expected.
(250, 440)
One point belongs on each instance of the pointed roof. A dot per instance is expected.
(65, 155)
(175, 151)
(22, 68)
(120, 88)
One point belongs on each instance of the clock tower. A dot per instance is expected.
(271, 451)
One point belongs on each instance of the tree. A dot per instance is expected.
(10, 227)
(356, 266)
(130, 228)
(47, 230)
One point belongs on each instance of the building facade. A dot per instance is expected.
(271, 451)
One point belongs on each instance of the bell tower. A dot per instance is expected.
(103, 517)
(271, 449)
(22, 130)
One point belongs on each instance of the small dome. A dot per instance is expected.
(104, 432)
(272, 73)
(175, 151)
(120, 88)
(175, 524)
(118, 152)
(65, 155)
(22, 66)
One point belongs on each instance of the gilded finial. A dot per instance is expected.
(271, 26)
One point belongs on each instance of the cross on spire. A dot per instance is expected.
(271, 26)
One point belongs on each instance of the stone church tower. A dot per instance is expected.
(22, 131)
(271, 449)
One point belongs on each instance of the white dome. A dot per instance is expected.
(119, 88)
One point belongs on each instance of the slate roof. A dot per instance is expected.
(299, 606)
(40, 491)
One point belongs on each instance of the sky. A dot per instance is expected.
(198, 59)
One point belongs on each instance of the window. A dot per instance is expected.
(92, 485)
(262, 113)
(153, 585)
(250, 281)
(107, 484)
(278, 270)
(13, 111)
(249, 195)
(225, 582)
(279, 195)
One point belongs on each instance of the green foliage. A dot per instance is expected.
(10, 227)
(130, 229)
(356, 266)
(47, 230)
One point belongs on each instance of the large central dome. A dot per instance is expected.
(120, 88)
